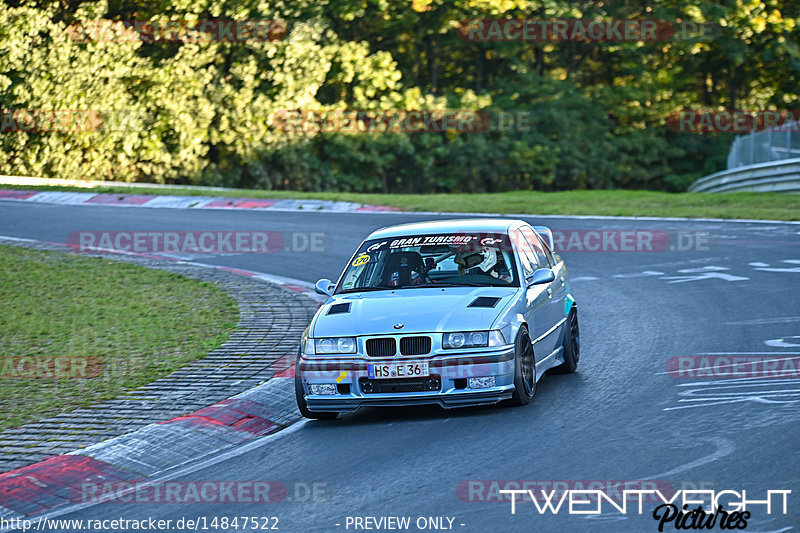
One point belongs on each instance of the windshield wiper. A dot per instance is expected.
(366, 289)
(499, 283)
(427, 285)
(418, 286)
(434, 285)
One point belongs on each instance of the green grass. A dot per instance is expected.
(618, 203)
(136, 325)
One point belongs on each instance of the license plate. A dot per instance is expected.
(398, 370)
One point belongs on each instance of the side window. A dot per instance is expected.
(526, 254)
(549, 254)
(538, 248)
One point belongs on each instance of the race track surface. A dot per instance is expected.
(622, 416)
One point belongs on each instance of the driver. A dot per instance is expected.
(483, 261)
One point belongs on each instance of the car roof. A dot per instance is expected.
(488, 225)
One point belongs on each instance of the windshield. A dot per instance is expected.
(442, 260)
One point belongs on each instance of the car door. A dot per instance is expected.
(557, 289)
(556, 293)
(537, 298)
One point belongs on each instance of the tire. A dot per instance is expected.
(571, 344)
(302, 406)
(524, 369)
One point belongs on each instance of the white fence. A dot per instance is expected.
(761, 161)
(774, 144)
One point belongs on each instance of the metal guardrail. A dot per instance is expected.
(775, 176)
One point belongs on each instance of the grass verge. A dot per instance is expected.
(610, 203)
(124, 324)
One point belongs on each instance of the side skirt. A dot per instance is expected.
(555, 358)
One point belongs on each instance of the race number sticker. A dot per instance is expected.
(360, 260)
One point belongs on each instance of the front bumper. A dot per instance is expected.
(452, 370)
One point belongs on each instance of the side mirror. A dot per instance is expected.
(324, 287)
(542, 275)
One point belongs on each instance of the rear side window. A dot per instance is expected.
(547, 250)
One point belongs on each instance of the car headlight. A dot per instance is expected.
(472, 339)
(330, 345)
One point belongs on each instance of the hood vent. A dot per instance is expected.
(484, 301)
(338, 309)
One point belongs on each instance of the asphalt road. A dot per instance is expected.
(621, 417)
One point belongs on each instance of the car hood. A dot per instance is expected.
(419, 310)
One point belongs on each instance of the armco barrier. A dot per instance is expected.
(776, 176)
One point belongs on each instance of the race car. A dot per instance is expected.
(455, 313)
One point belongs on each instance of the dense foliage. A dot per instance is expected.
(203, 111)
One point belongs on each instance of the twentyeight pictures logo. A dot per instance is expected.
(684, 509)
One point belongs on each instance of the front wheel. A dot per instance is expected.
(524, 369)
(302, 406)
(571, 346)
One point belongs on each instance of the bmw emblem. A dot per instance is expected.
(398, 326)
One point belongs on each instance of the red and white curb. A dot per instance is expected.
(150, 452)
(160, 448)
(185, 202)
